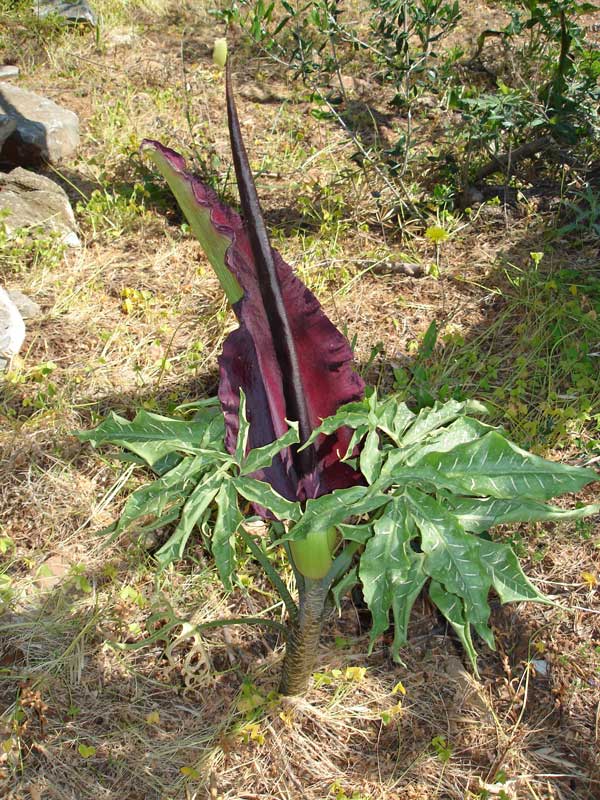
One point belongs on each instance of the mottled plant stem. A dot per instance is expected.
(303, 639)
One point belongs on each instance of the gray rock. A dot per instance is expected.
(27, 307)
(541, 666)
(9, 71)
(8, 126)
(36, 202)
(45, 131)
(78, 12)
(12, 330)
(120, 37)
(408, 268)
(349, 84)
(259, 94)
(469, 197)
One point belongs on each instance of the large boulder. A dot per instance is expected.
(27, 307)
(76, 12)
(44, 130)
(8, 126)
(12, 330)
(36, 202)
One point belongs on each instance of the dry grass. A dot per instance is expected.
(83, 717)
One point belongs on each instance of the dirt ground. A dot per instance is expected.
(84, 714)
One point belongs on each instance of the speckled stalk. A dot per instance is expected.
(303, 640)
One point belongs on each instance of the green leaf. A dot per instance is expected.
(153, 436)
(429, 341)
(494, 467)
(386, 563)
(86, 751)
(461, 431)
(331, 509)
(452, 607)
(405, 594)
(429, 419)
(451, 555)
(343, 586)
(371, 457)
(263, 494)
(405, 464)
(479, 514)
(262, 457)
(507, 577)
(393, 418)
(243, 431)
(351, 415)
(357, 436)
(214, 244)
(226, 525)
(356, 533)
(194, 510)
(161, 495)
(214, 428)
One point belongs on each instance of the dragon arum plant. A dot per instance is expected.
(358, 490)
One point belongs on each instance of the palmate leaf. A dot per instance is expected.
(262, 494)
(227, 523)
(488, 467)
(494, 467)
(331, 509)
(506, 574)
(452, 607)
(393, 418)
(153, 436)
(194, 510)
(405, 594)
(441, 414)
(452, 556)
(390, 415)
(371, 457)
(356, 533)
(351, 415)
(479, 514)
(460, 431)
(162, 495)
(405, 463)
(262, 457)
(386, 563)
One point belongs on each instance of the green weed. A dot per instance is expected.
(27, 250)
(110, 212)
(536, 363)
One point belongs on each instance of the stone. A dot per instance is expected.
(45, 131)
(541, 666)
(12, 330)
(120, 37)
(469, 197)
(77, 13)
(9, 71)
(259, 94)
(52, 571)
(27, 307)
(8, 126)
(36, 202)
(341, 85)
